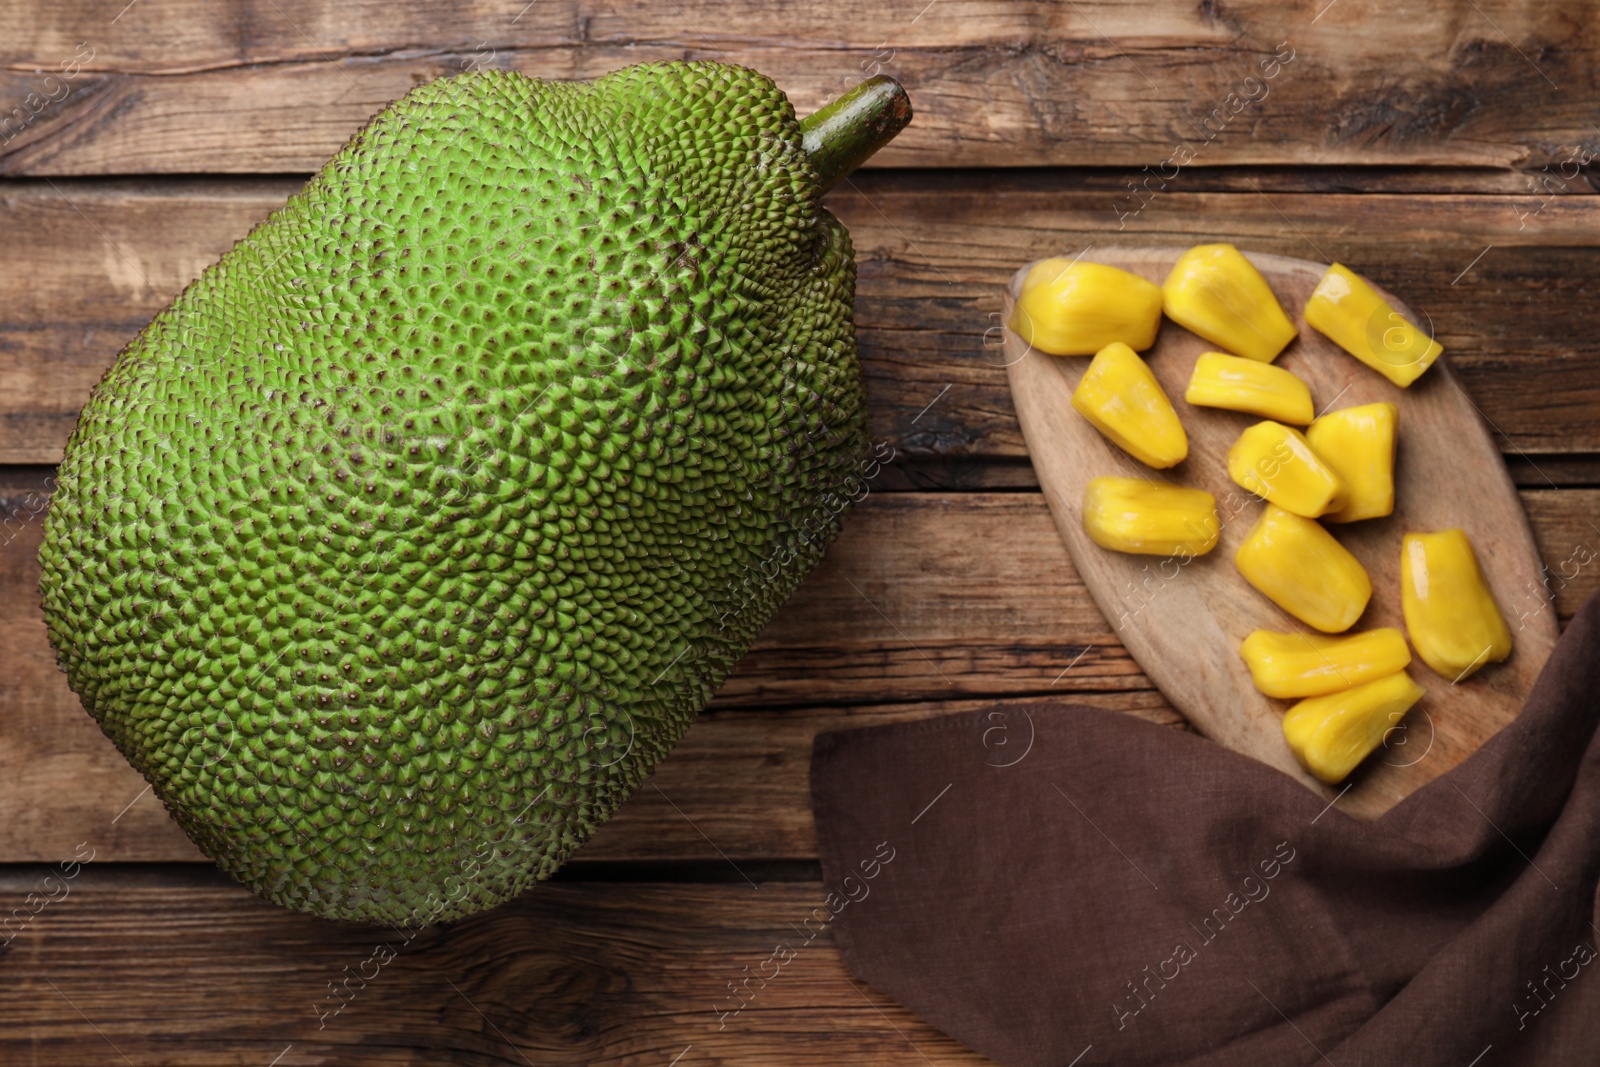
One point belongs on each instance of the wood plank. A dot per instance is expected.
(1184, 617)
(1502, 286)
(1113, 181)
(1537, 470)
(186, 969)
(972, 597)
(927, 633)
(1521, 324)
(186, 86)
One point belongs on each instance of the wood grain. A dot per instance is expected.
(181, 967)
(187, 86)
(1522, 324)
(930, 603)
(913, 605)
(1184, 627)
(1403, 139)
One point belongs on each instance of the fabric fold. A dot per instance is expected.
(1073, 886)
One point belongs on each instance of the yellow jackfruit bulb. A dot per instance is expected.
(1216, 292)
(1308, 665)
(1450, 613)
(1150, 518)
(1350, 311)
(1239, 384)
(1331, 734)
(1358, 443)
(1276, 462)
(1072, 308)
(1123, 400)
(1298, 566)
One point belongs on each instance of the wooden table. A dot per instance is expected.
(1439, 149)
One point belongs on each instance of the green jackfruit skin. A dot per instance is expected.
(400, 547)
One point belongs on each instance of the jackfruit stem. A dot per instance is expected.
(842, 135)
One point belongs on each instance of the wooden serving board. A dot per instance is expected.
(1183, 624)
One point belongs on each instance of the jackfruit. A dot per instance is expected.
(397, 549)
(1214, 291)
(1352, 314)
(1330, 735)
(1310, 665)
(1238, 384)
(1358, 445)
(1150, 518)
(1299, 566)
(1275, 462)
(1071, 308)
(1121, 398)
(1450, 612)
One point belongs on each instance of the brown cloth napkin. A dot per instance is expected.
(1057, 885)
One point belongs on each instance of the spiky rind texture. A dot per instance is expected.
(400, 547)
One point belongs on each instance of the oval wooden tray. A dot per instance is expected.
(1183, 624)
